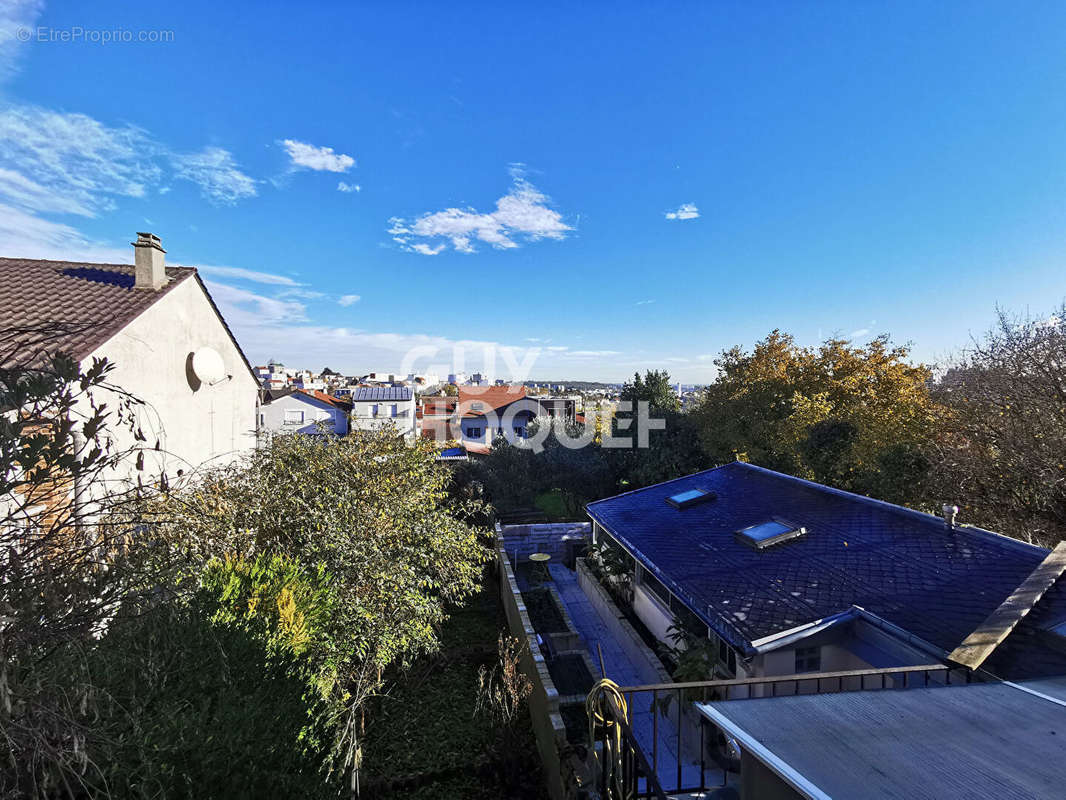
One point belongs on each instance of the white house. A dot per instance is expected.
(374, 407)
(171, 349)
(303, 411)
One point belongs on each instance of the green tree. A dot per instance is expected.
(654, 388)
(370, 511)
(227, 693)
(673, 450)
(855, 417)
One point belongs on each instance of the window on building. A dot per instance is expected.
(808, 659)
(727, 656)
(655, 586)
(519, 431)
(476, 406)
(473, 433)
(294, 416)
(392, 410)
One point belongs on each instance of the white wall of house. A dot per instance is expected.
(193, 423)
(298, 413)
(376, 414)
(653, 613)
(511, 423)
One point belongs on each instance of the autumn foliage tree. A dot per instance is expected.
(1000, 452)
(851, 416)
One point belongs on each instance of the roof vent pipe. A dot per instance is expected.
(950, 512)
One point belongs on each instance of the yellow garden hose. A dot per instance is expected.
(606, 691)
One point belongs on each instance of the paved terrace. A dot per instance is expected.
(626, 669)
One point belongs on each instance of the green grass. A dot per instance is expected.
(427, 723)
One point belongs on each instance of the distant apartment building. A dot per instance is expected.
(375, 407)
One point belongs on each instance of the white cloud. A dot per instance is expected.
(320, 159)
(32, 196)
(302, 294)
(246, 308)
(348, 187)
(74, 157)
(684, 211)
(521, 213)
(216, 173)
(248, 275)
(348, 299)
(644, 302)
(859, 333)
(425, 249)
(15, 14)
(593, 353)
(25, 235)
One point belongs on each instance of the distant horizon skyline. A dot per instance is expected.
(627, 191)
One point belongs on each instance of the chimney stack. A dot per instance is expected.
(149, 258)
(950, 511)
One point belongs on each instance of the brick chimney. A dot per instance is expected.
(149, 258)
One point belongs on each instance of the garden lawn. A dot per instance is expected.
(427, 724)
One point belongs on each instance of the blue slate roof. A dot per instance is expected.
(379, 393)
(900, 564)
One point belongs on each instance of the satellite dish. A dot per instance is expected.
(208, 366)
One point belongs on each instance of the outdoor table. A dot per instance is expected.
(540, 570)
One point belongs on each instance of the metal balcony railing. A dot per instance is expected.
(644, 777)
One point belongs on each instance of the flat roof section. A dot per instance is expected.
(980, 740)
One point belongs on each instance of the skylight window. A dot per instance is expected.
(767, 534)
(690, 498)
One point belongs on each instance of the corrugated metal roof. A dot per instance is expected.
(375, 393)
(899, 564)
(981, 740)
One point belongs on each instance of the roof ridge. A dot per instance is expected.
(895, 508)
(661, 483)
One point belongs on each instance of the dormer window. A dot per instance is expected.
(767, 534)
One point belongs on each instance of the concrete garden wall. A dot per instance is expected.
(548, 727)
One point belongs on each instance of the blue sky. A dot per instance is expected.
(598, 187)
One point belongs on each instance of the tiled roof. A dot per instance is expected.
(899, 564)
(85, 304)
(438, 406)
(474, 401)
(270, 395)
(377, 393)
(339, 402)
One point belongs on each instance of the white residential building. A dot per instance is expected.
(303, 411)
(374, 407)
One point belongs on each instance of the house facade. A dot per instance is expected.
(303, 411)
(483, 413)
(158, 326)
(376, 407)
